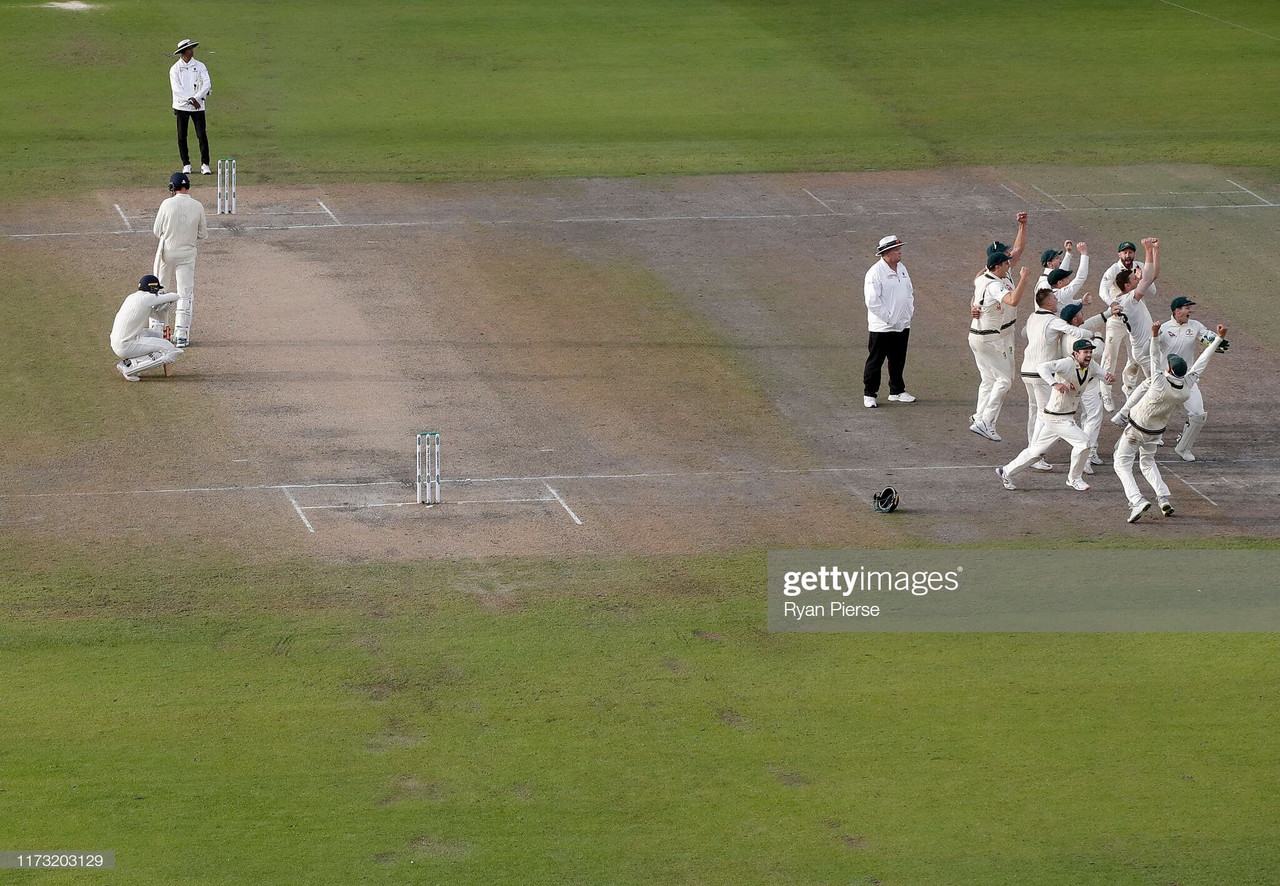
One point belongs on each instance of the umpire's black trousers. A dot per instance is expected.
(196, 117)
(881, 346)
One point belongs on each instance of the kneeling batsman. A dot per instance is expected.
(139, 346)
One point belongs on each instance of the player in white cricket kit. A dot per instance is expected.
(994, 311)
(1068, 288)
(1164, 391)
(179, 224)
(1135, 286)
(1053, 260)
(1069, 377)
(1116, 358)
(1044, 330)
(1179, 335)
(1094, 329)
(140, 347)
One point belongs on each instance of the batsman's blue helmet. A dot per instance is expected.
(150, 283)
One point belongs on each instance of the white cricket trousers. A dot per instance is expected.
(178, 269)
(1038, 391)
(995, 365)
(1134, 442)
(1052, 429)
(147, 342)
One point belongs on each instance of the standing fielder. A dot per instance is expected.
(1116, 357)
(1091, 398)
(139, 347)
(179, 224)
(1179, 336)
(1146, 422)
(1069, 377)
(1043, 330)
(994, 311)
(1135, 286)
(1052, 260)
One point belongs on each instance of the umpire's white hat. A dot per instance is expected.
(887, 243)
(184, 45)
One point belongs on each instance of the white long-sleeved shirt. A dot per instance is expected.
(1182, 338)
(1066, 372)
(1107, 290)
(133, 315)
(1070, 293)
(1064, 265)
(189, 80)
(1164, 391)
(890, 297)
(1044, 331)
(1138, 317)
(179, 224)
(1094, 329)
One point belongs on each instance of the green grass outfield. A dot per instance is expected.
(327, 91)
(593, 720)
(606, 721)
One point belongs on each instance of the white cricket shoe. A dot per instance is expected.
(1166, 508)
(1088, 468)
(988, 431)
(869, 402)
(123, 366)
(1078, 485)
(1185, 456)
(904, 397)
(187, 168)
(1004, 479)
(1138, 510)
(1120, 419)
(1094, 458)
(1108, 404)
(1042, 465)
(204, 169)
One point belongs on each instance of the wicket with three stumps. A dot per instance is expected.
(227, 186)
(429, 468)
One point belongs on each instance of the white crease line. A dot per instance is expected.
(1193, 489)
(820, 203)
(1251, 193)
(1014, 193)
(124, 218)
(1051, 197)
(303, 517)
(1222, 20)
(328, 210)
(408, 504)
(635, 219)
(1146, 193)
(563, 503)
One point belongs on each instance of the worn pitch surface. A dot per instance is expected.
(631, 365)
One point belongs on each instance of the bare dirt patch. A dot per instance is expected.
(674, 364)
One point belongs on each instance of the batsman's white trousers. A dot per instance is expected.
(995, 364)
(1052, 429)
(1134, 442)
(147, 342)
(178, 268)
(1038, 391)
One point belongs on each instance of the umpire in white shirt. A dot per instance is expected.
(890, 304)
(189, 81)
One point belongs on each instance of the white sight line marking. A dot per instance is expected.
(563, 503)
(820, 203)
(124, 218)
(328, 210)
(191, 489)
(1193, 489)
(1222, 20)
(1251, 193)
(1051, 197)
(301, 516)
